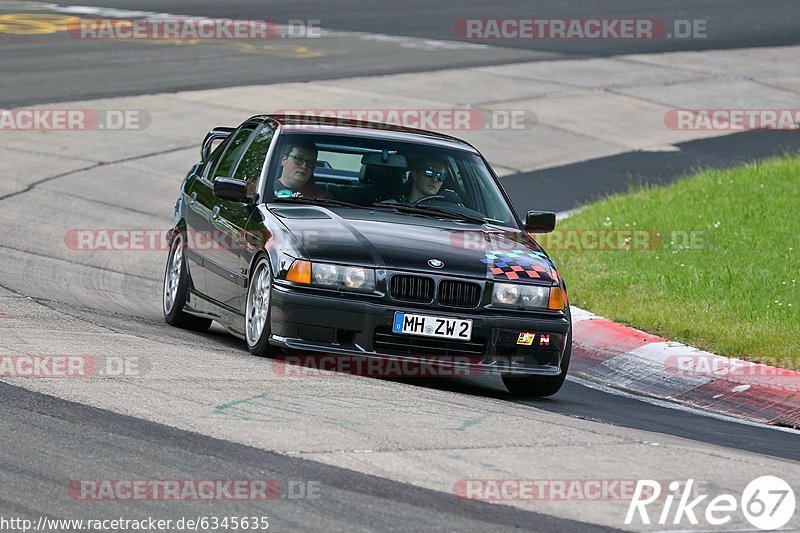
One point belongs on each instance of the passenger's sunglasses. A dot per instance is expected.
(430, 173)
(302, 161)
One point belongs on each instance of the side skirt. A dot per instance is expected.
(200, 305)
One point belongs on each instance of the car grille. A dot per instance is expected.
(415, 289)
(386, 342)
(453, 293)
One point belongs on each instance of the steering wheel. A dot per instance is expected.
(426, 199)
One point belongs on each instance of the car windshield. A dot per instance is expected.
(411, 178)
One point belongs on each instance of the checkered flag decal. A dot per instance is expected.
(519, 264)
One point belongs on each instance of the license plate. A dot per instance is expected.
(432, 326)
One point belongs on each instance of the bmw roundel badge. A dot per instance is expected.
(435, 263)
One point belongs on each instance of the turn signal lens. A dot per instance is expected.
(300, 272)
(558, 299)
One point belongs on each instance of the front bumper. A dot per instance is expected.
(308, 321)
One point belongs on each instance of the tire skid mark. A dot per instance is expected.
(99, 164)
(108, 204)
(54, 258)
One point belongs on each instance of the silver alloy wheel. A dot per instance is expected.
(258, 303)
(173, 276)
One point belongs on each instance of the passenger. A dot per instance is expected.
(298, 163)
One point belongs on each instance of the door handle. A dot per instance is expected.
(192, 198)
(215, 212)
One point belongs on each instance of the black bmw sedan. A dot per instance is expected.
(365, 240)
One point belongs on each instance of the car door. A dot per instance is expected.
(207, 241)
(249, 169)
(197, 216)
(229, 218)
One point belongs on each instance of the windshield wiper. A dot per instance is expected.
(318, 201)
(433, 211)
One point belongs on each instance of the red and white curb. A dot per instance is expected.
(624, 358)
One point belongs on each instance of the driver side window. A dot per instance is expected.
(249, 168)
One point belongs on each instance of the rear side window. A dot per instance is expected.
(232, 153)
(213, 159)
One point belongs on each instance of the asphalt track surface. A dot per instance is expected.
(134, 448)
(417, 36)
(569, 186)
(48, 441)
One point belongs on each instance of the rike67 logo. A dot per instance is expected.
(767, 503)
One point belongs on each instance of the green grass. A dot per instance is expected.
(736, 293)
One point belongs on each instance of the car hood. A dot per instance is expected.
(414, 243)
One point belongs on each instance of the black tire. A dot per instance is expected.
(540, 386)
(176, 288)
(259, 306)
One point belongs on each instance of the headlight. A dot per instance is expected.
(533, 296)
(343, 277)
(355, 277)
(505, 294)
(323, 274)
(520, 296)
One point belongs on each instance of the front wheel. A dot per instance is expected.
(176, 288)
(259, 293)
(540, 386)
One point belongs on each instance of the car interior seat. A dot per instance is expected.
(382, 182)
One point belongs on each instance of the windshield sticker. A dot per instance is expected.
(286, 193)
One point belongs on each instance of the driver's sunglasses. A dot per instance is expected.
(439, 176)
(302, 161)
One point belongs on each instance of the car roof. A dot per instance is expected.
(363, 128)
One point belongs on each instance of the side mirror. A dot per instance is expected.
(540, 222)
(231, 189)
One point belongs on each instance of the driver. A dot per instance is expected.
(428, 174)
